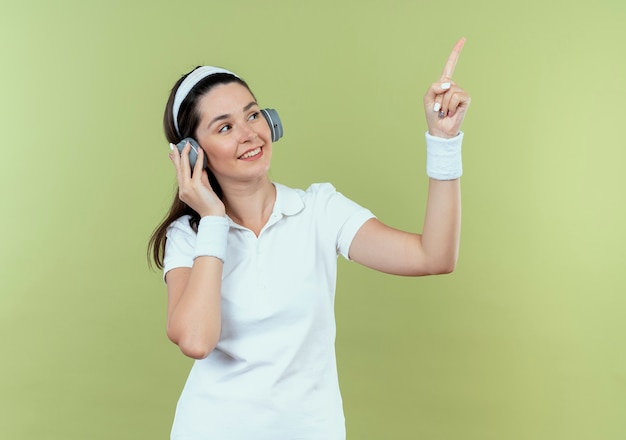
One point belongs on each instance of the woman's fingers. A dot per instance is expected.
(436, 94)
(445, 109)
(434, 98)
(185, 168)
(451, 100)
(175, 158)
(439, 91)
(198, 166)
(181, 163)
(448, 69)
(194, 188)
(445, 102)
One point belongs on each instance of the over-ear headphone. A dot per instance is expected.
(273, 120)
(270, 115)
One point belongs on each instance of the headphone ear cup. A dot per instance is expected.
(193, 152)
(273, 120)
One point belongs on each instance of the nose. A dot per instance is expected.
(246, 133)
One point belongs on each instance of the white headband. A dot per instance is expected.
(189, 83)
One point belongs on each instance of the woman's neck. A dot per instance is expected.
(250, 205)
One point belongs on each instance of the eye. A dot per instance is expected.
(224, 128)
(254, 116)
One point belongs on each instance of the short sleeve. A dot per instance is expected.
(179, 246)
(345, 216)
(350, 228)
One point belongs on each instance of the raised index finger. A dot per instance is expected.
(448, 70)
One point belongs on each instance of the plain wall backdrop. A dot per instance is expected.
(526, 340)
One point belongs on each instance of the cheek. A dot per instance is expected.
(216, 155)
(267, 132)
(267, 154)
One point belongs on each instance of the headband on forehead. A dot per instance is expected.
(189, 83)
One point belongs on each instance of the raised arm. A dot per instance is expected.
(435, 250)
(194, 294)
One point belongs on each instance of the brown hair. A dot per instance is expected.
(188, 121)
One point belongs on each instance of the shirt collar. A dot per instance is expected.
(288, 200)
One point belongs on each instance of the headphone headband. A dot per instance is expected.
(189, 83)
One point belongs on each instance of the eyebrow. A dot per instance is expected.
(226, 116)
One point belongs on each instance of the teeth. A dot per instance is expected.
(251, 153)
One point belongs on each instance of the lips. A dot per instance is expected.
(251, 153)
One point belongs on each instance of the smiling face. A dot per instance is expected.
(234, 134)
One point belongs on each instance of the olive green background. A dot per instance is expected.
(526, 340)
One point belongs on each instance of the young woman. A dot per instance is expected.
(250, 264)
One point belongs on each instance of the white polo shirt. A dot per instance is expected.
(273, 374)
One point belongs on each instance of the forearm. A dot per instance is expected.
(442, 225)
(194, 318)
(195, 321)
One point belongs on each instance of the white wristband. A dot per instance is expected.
(443, 157)
(212, 237)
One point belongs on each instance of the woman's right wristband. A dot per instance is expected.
(212, 237)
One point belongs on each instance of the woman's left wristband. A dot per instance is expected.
(443, 157)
